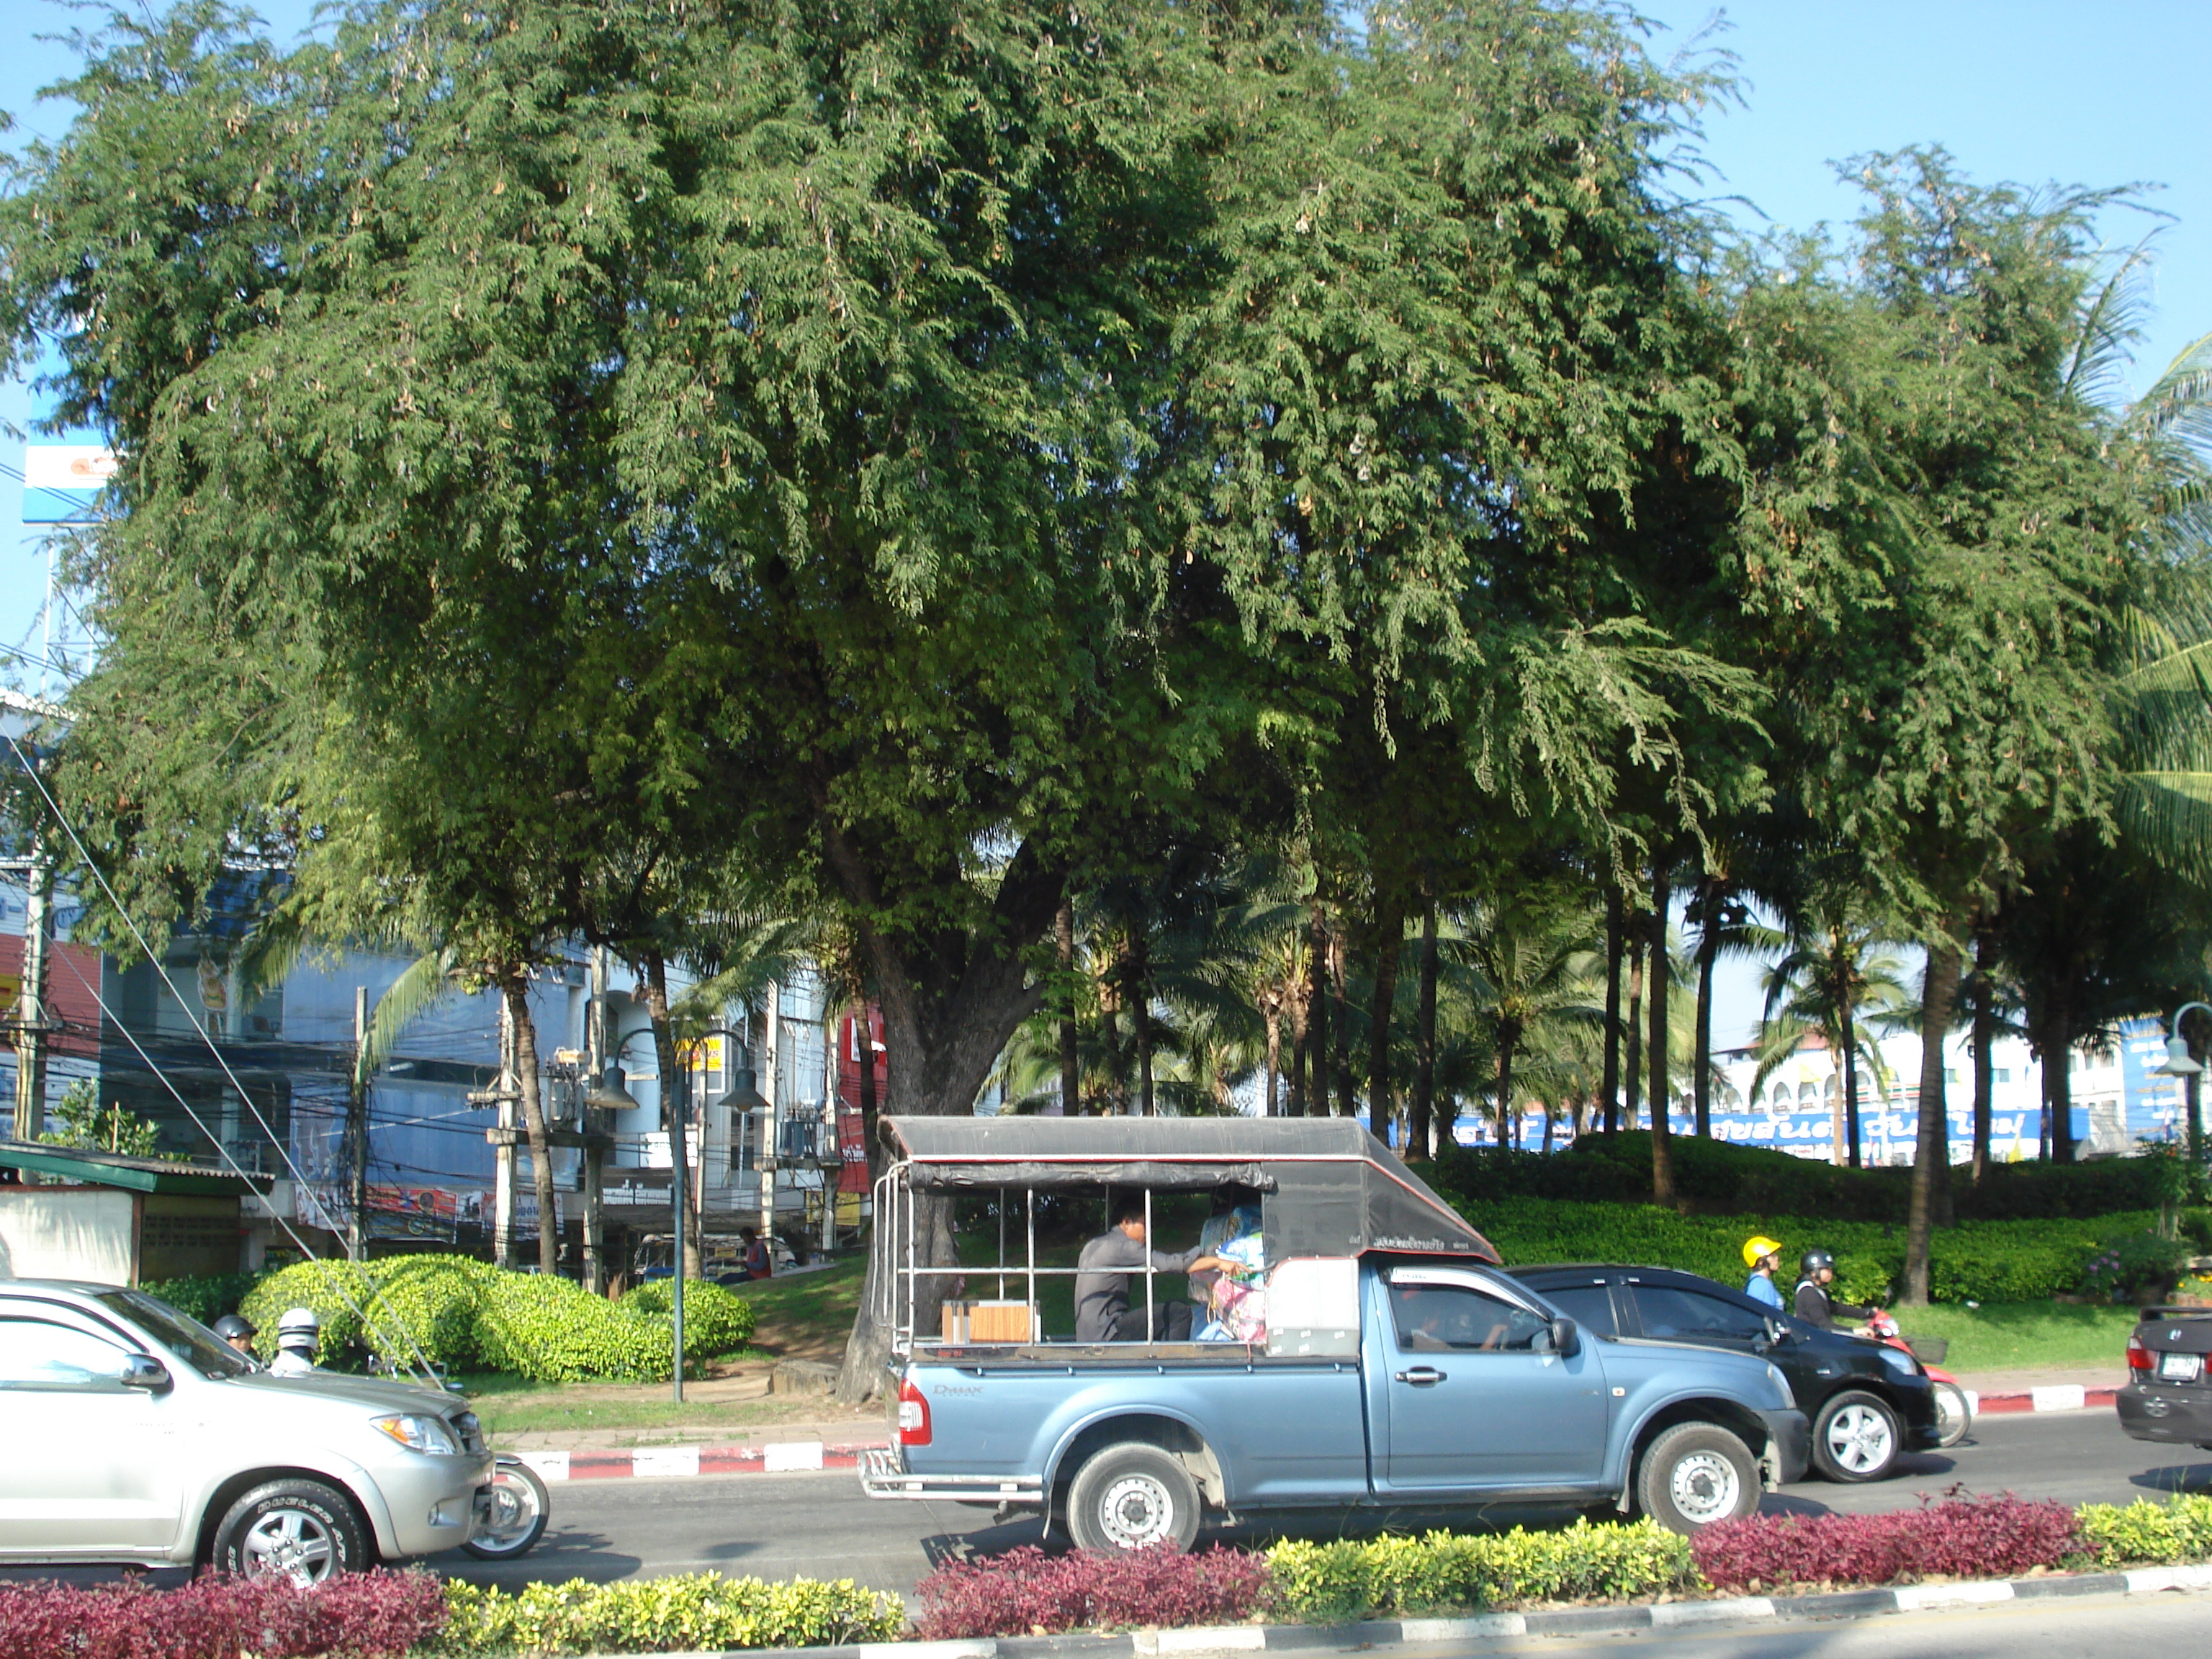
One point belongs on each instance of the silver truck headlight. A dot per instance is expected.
(420, 1432)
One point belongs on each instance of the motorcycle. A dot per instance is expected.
(518, 1505)
(1954, 1413)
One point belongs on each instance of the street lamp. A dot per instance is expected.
(611, 1094)
(744, 1096)
(2180, 1063)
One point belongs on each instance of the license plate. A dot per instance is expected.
(2180, 1367)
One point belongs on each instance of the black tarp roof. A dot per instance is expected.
(1327, 1187)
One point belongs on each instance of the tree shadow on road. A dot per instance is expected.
(564, 1553)
(2176, 1478)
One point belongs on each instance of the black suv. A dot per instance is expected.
(1867, 1402)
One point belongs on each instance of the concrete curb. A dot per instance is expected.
(2059, 1397)
(1717, 1614)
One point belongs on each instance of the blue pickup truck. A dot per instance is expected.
(1391, 1365)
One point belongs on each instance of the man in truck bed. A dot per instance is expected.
(1101, 1285)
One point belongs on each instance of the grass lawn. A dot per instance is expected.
(2005, 1336)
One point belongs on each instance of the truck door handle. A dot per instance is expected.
(1422, 1377)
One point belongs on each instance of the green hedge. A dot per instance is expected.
(206, 1297)
(1720, 1174)
(689, 1614)
(1975, 1260)
(465, 1314)
(1345, 1580)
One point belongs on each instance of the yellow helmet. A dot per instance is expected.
(1758, 1247)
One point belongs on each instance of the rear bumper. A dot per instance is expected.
(2176, 1413)
(884, 1473)
(1788, 1447)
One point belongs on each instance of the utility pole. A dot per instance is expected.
(595, 1049)
(502, 1222)
(771, 1142)
(357, 1133)
(829, 1155)
(31, 1003)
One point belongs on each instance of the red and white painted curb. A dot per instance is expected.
(797, 1456)
(664, 1462)
(2058, 1397)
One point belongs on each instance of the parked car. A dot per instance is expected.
(2168, 1395)
(1399, 1371)
(143, 1439)
(1869, 1402)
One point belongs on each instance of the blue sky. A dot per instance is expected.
(2032, 91)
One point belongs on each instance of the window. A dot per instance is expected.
(1692, 1317)
(1590, 1306)
(1458, 1318)
(37, 1354)
(2001, 1073)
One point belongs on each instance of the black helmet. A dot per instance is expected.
(1813, 1261)
(231, 1327)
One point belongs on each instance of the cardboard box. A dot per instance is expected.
(955, 1327)
(1001, 1321)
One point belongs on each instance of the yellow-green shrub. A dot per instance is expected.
(716, 1319)
(691, 1612)
(2158, 1534)
(1443, 1571)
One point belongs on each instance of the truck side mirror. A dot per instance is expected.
(144, 1372)
(1567, 1340)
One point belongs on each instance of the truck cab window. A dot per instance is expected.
(1458, 1318)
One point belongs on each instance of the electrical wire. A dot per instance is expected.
(422, 1360)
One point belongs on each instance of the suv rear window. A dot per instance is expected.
(1590, 1306)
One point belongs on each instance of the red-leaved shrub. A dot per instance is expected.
(376, 1615)
(1973, 1537)
(1025, 1591)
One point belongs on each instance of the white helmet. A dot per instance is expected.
(298, 1328)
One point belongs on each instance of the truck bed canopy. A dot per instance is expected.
(1327, 1187)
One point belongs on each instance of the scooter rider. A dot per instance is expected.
(1763, 1256)
(1812, 1304)
(297, 1333)
(237, 1330)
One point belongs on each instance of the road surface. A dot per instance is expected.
(819, 1525)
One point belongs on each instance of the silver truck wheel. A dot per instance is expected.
(1856, 1437)
(1694, 1474)
(1131, 1497)
(301, 1530)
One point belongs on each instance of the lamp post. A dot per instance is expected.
(744, 1098)
(611, 1094)
(2180, 1063)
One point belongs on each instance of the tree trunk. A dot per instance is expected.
(951, 1001)
(1662, 1134)
(1071, 1068)
(1850, 1080)
(1339, 966)
(1141, 1015)
(1419, 1128)
(1389, 945)
(1635, 1067)
(1709, 951)
(652, 971)
(1985, 1022)
(514, 989)
(2058, 1079)
(1271, 1011)
(1609, 1088)
(1110, 1037)
(1317, 975)
(1932, 1147)
(1509, 1122)
(1837, 1130)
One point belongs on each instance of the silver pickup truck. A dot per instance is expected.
(1389, 1368)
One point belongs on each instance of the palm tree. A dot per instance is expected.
(1838, 973)
(1542, 954)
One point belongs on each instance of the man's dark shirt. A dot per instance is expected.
(1816, 1307)
(1101, 1287)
